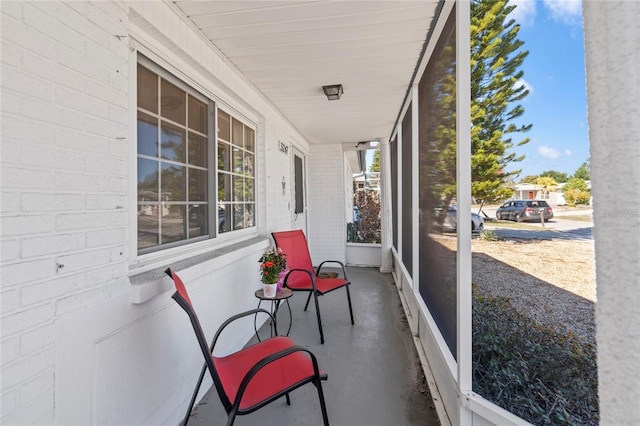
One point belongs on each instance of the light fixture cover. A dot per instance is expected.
(333, 92)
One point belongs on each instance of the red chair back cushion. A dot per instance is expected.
(294, 244)
(180, 288)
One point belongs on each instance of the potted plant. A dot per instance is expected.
(272, 263)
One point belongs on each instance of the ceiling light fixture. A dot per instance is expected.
(333, 92)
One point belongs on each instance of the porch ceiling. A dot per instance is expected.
(290, 49)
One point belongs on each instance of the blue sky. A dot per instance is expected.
(554, 73)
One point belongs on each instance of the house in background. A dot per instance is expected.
(141, 135)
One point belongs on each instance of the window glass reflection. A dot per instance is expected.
(172, 141)
(197, 150)
(173, 183)
(173, 223)
(147, 180)
(173, 102)
(147, 135)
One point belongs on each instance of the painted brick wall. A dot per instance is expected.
(327, 224)
(64, 182)
(66, 211)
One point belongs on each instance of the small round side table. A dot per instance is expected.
(281, 295)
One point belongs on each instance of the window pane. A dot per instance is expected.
(237, 135)
(147, 135)
(173, 143)
(197, 115)
(224, 218)
(147, 89)
(238, 188)
(147, 180)
(197, 184)
(148, 226)
(173, 102)
(249, 194)
(198, 220)
(248, 164)
(173, 223)
(237, 160)
(224, 157)
(173, 183)
(224, 126)
(238, 216)
(197, 150)
(249, 139)
(224, 187)
(249, 215)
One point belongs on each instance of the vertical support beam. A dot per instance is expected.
(463, 133)
(612, 36)
(415, 190)
(398, 188)
(386, 231)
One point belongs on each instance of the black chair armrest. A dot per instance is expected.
(344, 273)
(311, 274)
(232, 319)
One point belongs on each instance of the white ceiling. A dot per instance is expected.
(290, 49)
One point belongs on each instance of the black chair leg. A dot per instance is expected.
(288, 400)
(315, 296)
(308, 299)
(349, 299)
(195, 395)
(323, 406)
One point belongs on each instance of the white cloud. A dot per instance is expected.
(568, 152)
(548, 152)
(523, 82)
(566, 11)
(524, 12)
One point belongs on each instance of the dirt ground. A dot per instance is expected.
(568, 265)
(551, 281)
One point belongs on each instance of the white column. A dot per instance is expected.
(612, 37)
(386, 223)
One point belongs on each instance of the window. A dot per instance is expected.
(176, 146)
(236, 178)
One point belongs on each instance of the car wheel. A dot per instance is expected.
(518, 217)
(498, 216)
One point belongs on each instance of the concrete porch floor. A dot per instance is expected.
(375, 376)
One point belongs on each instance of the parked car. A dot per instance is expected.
(450, 222)
(524, 210)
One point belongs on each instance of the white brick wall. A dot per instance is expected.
(66, 207)
(64, 102)
(327, 223)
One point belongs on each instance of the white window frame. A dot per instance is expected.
(186, 76)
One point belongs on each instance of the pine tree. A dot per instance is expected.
(496, 59)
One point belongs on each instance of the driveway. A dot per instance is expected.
(556, 228)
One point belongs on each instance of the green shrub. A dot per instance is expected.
(538, 374)
(489, 235)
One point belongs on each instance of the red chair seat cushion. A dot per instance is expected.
(301, 281)
(273, 378)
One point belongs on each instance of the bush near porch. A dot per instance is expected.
(536, 373)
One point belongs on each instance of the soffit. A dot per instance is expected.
(289, 49)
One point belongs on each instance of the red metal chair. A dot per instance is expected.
(301, 276)
(256, 375)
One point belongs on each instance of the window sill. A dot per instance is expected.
(149, 284)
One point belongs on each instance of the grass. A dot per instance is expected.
(494, 223)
